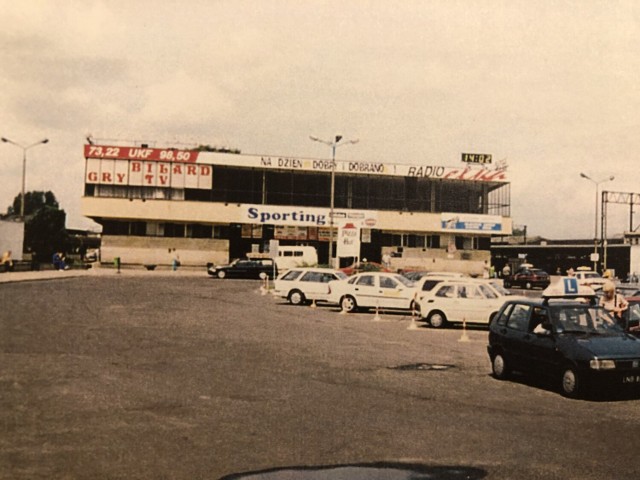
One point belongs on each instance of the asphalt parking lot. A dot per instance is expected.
(184, 376)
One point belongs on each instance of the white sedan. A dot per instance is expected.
(372, 289)
(302, 285)
(472, 301)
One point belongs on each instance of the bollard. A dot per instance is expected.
(464, 337)
(413, 325)
(377, 318)
(116, 263)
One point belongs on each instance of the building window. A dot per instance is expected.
(197, 230)
(138, 229)
(174, 230)
(155, 229)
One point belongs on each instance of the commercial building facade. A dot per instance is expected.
(205, 206)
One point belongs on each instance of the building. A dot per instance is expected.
(204, 206)
(620, 256)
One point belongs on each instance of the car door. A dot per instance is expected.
(539, 345)
(242, 269)
(444, 298)
(365, 290)
(314, 284)
(472, 304)
(513, 332)
(393, 294)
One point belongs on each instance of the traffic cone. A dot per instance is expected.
(377, 318)
(313, 303)
(464, 337)
(413, 325)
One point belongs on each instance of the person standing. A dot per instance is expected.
(386, 260)
(7, 262)
(612, 301)
(506, 270)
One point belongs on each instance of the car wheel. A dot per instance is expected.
(222, 274)
(437, 319)
(500, 367)
(571, 385)
(296, 297)
(348, 304)
(528, 286)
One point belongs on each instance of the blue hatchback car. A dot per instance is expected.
(567, 337)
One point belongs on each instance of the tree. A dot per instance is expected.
(33, 202)
(44, 230)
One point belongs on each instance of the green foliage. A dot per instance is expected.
(34, 201)
(45, 232)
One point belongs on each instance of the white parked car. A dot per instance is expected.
(472, 301)
(589, 278)
(372, 289)
(302, 285)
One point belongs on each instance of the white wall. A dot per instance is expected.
(161, 250)
(12, 238)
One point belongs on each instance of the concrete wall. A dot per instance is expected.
(12, 238)
(470, 262)
(161, 250)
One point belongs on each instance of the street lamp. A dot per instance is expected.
(24, 166)
(333, 144)
(595, 233)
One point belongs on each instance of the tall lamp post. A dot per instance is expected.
(24, 167)
(334, 144)
(595, 233)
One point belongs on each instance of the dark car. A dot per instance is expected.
(364, 266)
(244, 268)
(572, 341)
(527, 277)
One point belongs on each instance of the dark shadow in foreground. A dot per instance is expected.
(365, 471)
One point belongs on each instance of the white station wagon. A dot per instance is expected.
(372, 289)
(303, 285)
(473, 301)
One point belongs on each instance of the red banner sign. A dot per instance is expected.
(141, 153)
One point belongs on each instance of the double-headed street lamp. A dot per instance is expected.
(24, 167)
(595, 233)
(333, 144)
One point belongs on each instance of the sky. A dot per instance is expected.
(550, 86)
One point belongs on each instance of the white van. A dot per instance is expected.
(296, 256)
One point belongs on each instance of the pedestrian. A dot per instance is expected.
(58, 261)
(485, 270)
(506, 270)
(6, 264)
(386, 260)
(612, 301)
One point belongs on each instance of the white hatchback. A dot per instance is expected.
(302, 285)
(473, 301)
(372, 289)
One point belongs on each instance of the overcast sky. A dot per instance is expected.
(551, 86)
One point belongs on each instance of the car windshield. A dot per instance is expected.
(501, 290)
(404, 280)
(584, 319)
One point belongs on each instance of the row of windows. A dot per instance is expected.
(248, 185)
(156, 229)
(198, 230)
